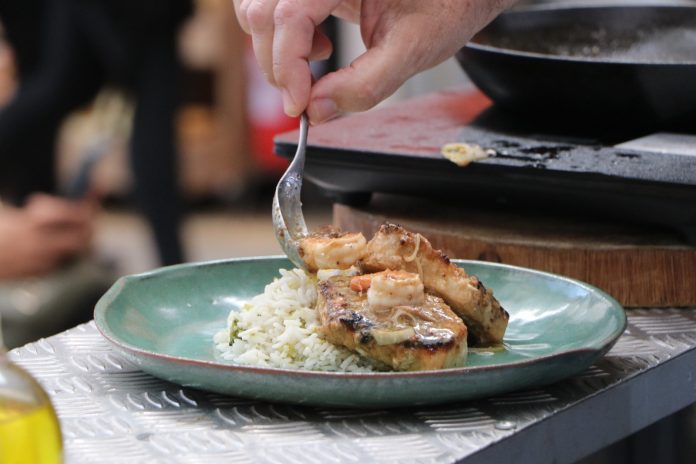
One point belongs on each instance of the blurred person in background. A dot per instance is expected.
(47, 281)
(43, 235)
(65, 52)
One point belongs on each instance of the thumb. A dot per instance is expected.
(372, 77)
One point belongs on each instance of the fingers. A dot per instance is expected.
(321, 47)
(368, 80)
(31, 245)
(59, 240)
(50, 211)
(46, 249)
(240, 9)
(293, 45)
(285, 37)
(403, 37)
(65, 242)
(259, 16)
(348, 10)
(295, 39)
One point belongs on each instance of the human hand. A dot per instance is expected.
(402, 37)
(44, 234)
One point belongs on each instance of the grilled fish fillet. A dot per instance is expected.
(406, 337)
(393, 247)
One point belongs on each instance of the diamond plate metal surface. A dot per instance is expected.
(112, 412)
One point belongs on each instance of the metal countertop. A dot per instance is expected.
(112, 412)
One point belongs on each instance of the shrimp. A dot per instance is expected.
(388, 289)
(332, 249)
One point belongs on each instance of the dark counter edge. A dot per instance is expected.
(582, 429)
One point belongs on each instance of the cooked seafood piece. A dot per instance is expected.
(395, 248)
(387, 317)
(329, 248)
(392, 288)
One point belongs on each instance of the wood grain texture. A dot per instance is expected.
(638, 266)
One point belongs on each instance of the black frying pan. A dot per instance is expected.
(629, 64)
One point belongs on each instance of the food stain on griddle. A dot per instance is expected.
(506, 144)
(526, 159)
(534, 156)
(548, 151)
(627, 155)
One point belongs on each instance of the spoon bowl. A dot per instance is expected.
(288, 221)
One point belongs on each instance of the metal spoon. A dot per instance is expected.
(288, 222)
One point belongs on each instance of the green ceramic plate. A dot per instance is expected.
(163, 321)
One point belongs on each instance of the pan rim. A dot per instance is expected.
(580, 6)
(574, 59)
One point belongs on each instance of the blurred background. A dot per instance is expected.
(155, 118)
(224, 127)
(160, 113)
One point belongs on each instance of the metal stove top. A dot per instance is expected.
(641, 175)
(575, 147)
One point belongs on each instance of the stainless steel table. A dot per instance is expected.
(111, 412)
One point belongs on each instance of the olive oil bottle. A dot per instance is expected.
(29, 429)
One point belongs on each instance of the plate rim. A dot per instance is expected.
(102, 305)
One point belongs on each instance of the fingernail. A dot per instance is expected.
(322, 109)
(289, 104)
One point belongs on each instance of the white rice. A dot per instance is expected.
(279, 328)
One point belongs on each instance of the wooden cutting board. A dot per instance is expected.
(637, 265)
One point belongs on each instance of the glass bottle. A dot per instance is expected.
(29, 429)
